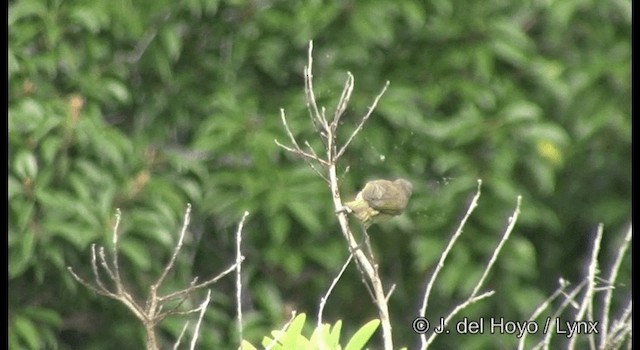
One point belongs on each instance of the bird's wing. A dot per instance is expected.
(385, 197)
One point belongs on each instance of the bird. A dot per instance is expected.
(380, 200)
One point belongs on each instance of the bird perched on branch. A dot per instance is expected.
(380, 200)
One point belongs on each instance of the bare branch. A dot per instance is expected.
(445, 253)
(85, 283)
(454, 312)
(324, 299)
(512, 222)
(288, 130)
(327, 134)
(299, 152)
(569, 299)
(297, 149)
(177, 343)
(613, 275)
(201, 285)
(367, 266)
(105, 265)
(176, 250)
(153, 312)
(313, 152)
(538, 311)
(364, 120)
(306, 143)
(94, 267)
(317, 118)
(161, 315)
(621, 328)
(391, 290)
(586, 306)
(239, 259)
(473, 296)
(203, 308)
(114, 252)
(343, 102)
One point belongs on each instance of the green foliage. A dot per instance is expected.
(145, 106)
(323, 337)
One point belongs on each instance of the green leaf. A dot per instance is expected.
(78, 234)
(279, 227)
(93, 18)
(334, 337)
(245, 345)
(303, 213)
(21, 254)
(321, 335)
(136, 251)
(290, 340)
(362, 336)
(24, 329)
(520, 111)
(117, 90)
(14, 187)
(23, 9)
(25, 165)
(44, 315)
(171, 40)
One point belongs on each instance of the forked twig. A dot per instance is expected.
(473, 297)
(327, 132)
(153, 310)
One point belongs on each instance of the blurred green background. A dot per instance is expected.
(149, 105)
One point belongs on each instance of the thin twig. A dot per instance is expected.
(327, 135)
(621, 328)
(362, 121)
(613, 275)
(343, 102)
(324, 299)
(586, 306)
(176, 250)
(391, 290)
(198, 286)
(103, 262)
(370, 270)
(300, 152)
(239, 259)
(292, 138)
(312, 106)
(83, 282)
(445, 253)
(473, 296)
(179, 340)
(512, 222)
(203, 308)
(309, 157)
(153, 312)
(454, 312)
(94, 268)
(313, 152)
(116, 264)
(569, 299)
(538, 311)
(363, 276)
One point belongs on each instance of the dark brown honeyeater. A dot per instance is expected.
(380, 200)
